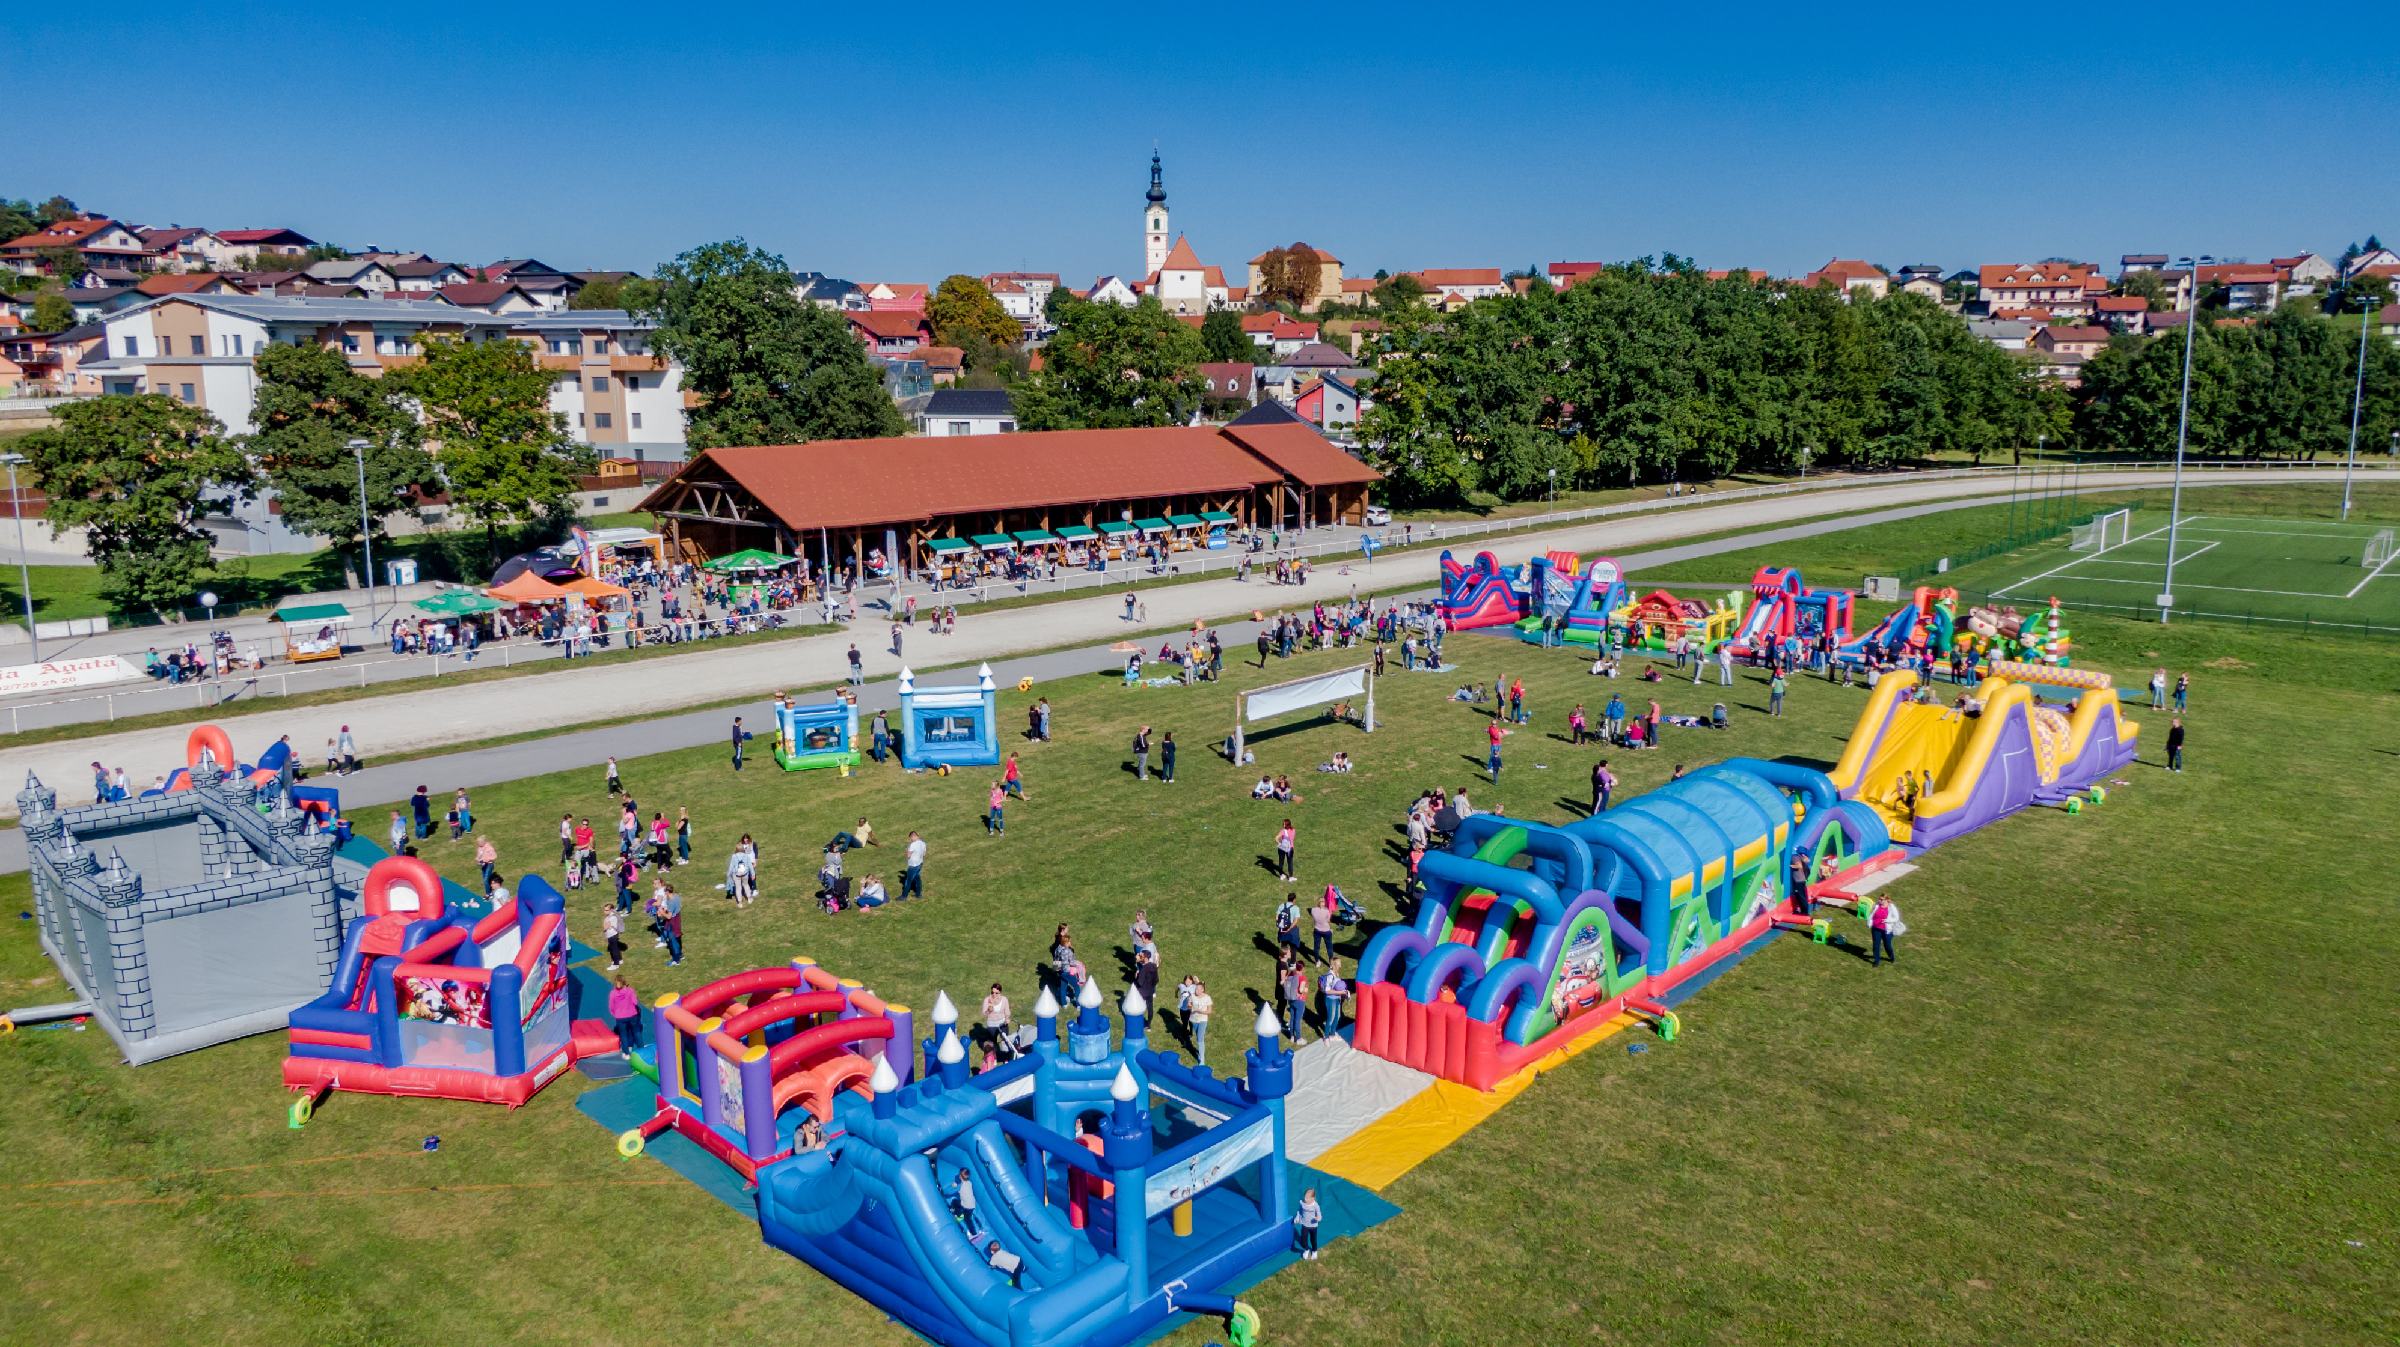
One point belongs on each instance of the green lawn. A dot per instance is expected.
(2133, 1083)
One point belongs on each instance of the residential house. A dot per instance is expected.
(1112, 290)
(2122, 313)
(1851, 276)
(180, 248)
(1229, 381)
(1922, 279)
(1355, 290)
(427, 276)
(1331, 405)
(2064, 288)
(1755, 275)
(1447, 288)
(1564, 275)
(52, 363)
(1015, 300)
(1184, 285)
(2387, 319)
(1283, 378)
(501, 297)
(1278, 334)
(2003, 333)
(890, 332)
(1036, 286)
(373, 277)
(2132, 262)
(967, 411)
(1329, 275)
(99, 241)
(2076, 341)
(2243, 285)
(2370, 259)
(91, 303)
(897, 296)
(267, 242)
(827, 292)
(391, 257)
(185, 283)
(945, 365)
(2305, 274)
(550, 287)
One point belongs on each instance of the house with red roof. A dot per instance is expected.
(1229, 381)
(2065, 289)
(1755, 275)
(1851, 276)
(891, 332)
(2305, 273)
(1183, 284)
(2082, 342)
(1567, 274)
(1447, 288)
(184, 248)
(99, 241)
(2243, 285)
(897, 296)
(2122, 313)
(1329, 275)
(1330, 404)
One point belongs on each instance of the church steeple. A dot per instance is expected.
(1154, 221)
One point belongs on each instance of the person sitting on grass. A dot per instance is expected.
(1340, 763)
(1650, 674)
(1283, 790)
(1264, 790)
(870, 893)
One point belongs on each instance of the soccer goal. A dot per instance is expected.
(2379, 551)
(2105, 532)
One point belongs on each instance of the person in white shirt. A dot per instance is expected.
(912, 877)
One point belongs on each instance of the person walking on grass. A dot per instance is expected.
(1305, 1222)
(912, 873)
(1286, 841)
(670, 920)
(1885, 926)
(566, 838)
(2158, 689)
(1775, 691)
(616, 783)
(399, 834)
(1612, 720)
(994, 823)
(2175, 744)
(1166, 756)
(1725, 666)
(1576, 725)
(625, 1015)
(740, 737)
(1196, 1016)
(1012, 779)
(1141, 754)
(2183, 693)
(1287, 926)
(1604, 784)
(1292, 983)
(1495, 732)
(1320, 927)
(421, 806)
(612, 935)
(683, 836)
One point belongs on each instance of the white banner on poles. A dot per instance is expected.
(1285, 697)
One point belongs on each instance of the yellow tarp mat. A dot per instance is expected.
(1378, 1154)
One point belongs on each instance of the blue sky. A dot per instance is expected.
(909, 141)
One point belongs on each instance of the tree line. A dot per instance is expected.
(2279, 386)
(1650, 370)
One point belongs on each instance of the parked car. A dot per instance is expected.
(1377, 516)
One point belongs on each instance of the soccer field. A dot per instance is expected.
(2227, 566)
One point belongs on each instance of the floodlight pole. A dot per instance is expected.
(16, 506)
(2183, 422)
(366, 531)
(2358, 400)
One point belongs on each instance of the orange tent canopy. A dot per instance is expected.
(594, 590)
(527, 588)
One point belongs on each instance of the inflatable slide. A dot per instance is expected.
(1923, 625)
(1787, 615)
(1932, 771)
(1485, 594)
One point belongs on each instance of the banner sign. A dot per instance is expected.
(61, 675)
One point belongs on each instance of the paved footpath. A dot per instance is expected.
(1077, 631)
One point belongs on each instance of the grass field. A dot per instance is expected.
(2133, 1080)
(2226, 566)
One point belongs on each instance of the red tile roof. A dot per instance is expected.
(2121, 304)
(2023, 315)
(1727, 273)
(1846, 270)
(1435, 278)
(941, 357)
(820, 485)
(1182, 258)
(192, 283)
(1359, 285)
(1260, 322)
(2241, 273)
(2042, 275)
(66, 234)
(887, 325)
(2071, 336)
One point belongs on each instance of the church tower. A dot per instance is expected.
(1154, 222)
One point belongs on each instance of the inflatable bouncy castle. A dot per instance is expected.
(1925, 626)
(1659, 619)
(424, 1002)
(1485, 594)
(1788, 618)
(1114, 1187)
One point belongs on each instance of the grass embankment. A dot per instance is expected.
(2131, 1080)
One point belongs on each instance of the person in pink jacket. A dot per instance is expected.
(625, 1014)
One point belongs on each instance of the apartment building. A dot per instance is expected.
(2062, 289)
(611, 390)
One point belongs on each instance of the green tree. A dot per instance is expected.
(765, 368)
(310, 405)
(1397, 292)
(1114, 367)
(1222, 338)
(961, 309)
(138, 473)
(2148, 285)
(504, 455)
(56, 209)
(52, 312)
(1289, 276)
(67, 264)
(634, 294)
(16, 219)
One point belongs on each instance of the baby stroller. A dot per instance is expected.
(834, 895)
(1345, 912)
